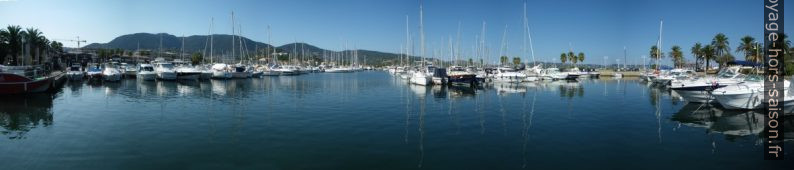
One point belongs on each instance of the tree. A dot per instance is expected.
(563, 58)
(471, 61)
(3, 46)
(721, 48)
(572, 57)
(32, 37)
(503, 60)
(516, 61)
(197, 58)
(581, 57)
(655, 53)
(708, 54)
(13, 35)
(677, 56)
(695, 50)
(748, 47)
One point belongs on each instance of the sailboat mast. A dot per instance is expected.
(421, 34)
(212, 23)
(233, 34)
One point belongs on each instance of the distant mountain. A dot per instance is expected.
(195, 43)
(223, 45)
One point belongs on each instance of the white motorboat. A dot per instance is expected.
(533, 74)
(220, 71)
(552, 74)
(186, 72)
(240, 72)
(146, 72)
(699, 90)
(675, 74)
(745, 95)
(421, 77)
(75, 73)
(510, 75)
(128, 70)
(286, 70)
(111, 73)
(165, 71)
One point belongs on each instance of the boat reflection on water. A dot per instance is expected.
(716, 119)
(20, 114)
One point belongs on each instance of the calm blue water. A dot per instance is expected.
(370, 120)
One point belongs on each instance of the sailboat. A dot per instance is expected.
(219, 70)
(420, 76)
(533, 73)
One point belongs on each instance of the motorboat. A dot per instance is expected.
(459, 75)
(94, 72)
(552, 74)
(146, 72)
(421, 77)
(128, 70)
(286, 70)
(165, 71)
(670, 76)
(75, 73)
(507, 74)
(185, 72)
(439, 75)
(240, 71)
(111, 73)
(220, 71)
(748, 94)
(533, 74)
(699, 90)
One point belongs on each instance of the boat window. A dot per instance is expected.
(147, 68)
(754, 78)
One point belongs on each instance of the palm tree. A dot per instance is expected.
(13, 34)
(580, 57)
(708, 54)
(697, 53)
(3, 46)
(748, 48)
(32, 38)
(656, 54)
(43, 46)
(721, 48)
(503, 60)
(563, 58)
(677, 56)
(572, 57)
(516, 60)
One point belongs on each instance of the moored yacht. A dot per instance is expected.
(111, 73)
(507, 74)
(220, 71)
(75, 73)
(146, 72)
(746, 95)
(186, 72)
(699, 89)
(459, 75)
(165, 71)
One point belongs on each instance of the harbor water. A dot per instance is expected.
(372, 120)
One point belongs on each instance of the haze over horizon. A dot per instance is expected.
(597, 28)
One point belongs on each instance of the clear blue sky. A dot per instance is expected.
(597, 28)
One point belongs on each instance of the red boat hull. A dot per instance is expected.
(16, 84)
